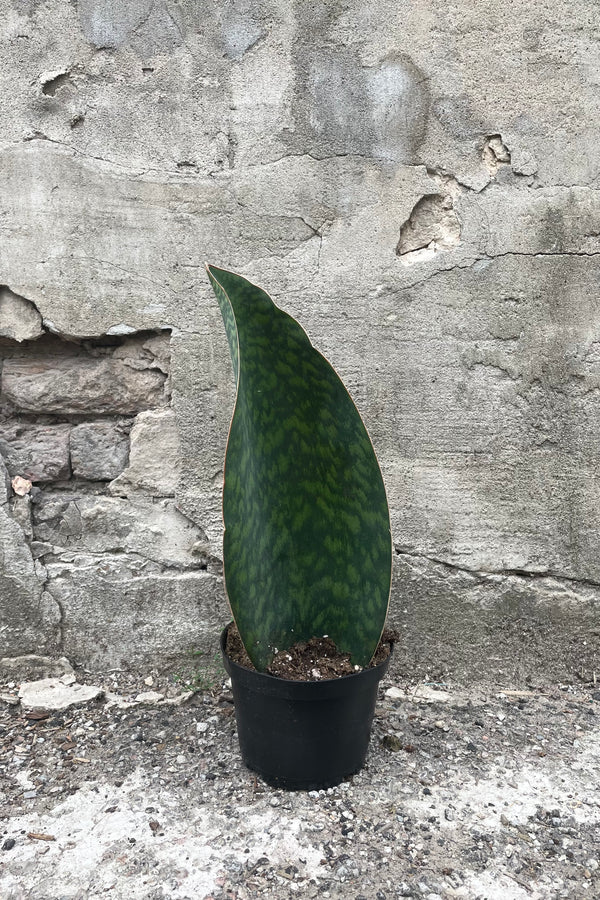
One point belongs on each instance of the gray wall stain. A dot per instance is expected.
(344, 107)
(149, 26)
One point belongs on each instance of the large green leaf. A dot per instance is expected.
(307, 545)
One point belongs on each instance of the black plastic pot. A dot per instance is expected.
(303, 735)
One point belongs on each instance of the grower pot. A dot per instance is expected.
(303, 735)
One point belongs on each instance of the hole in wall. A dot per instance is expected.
(495, 154)
(54, 81)
(433, 225)
(88, 437)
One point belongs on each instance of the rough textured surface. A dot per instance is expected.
(56, 693)
(19, 318)
(465, 794)
(57, 386)
(39, 453)
(161, 616)
(416, 183)
(99, 450)
(34, 667)
(153, 456)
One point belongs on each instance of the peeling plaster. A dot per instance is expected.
(495, 154)
(68, 522)
(432, 226)
(20, 319)
(52, 82)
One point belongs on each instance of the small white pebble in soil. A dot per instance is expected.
(202, 727)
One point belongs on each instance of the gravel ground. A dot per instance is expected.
(466, 793)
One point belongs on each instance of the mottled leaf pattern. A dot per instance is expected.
(307, 546)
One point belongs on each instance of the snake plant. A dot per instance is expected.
(307, 545)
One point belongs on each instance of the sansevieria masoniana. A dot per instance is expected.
(307, 546)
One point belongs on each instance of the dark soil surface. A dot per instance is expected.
(314, 660)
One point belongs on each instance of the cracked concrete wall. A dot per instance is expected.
(418, 185)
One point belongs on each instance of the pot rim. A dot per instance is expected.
(377, 672)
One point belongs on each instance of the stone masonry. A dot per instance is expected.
(90, 450)
(417, 183)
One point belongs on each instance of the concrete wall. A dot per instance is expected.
(416, 182)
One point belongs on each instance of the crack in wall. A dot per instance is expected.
(485, 575)
(540, 253)
(181, 172)
(434, 225)
(132, 274)
(47, 598)
(60, 627)
(483, 258)
(74, 151)
(128, 564)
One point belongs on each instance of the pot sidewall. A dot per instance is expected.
(303, 735)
